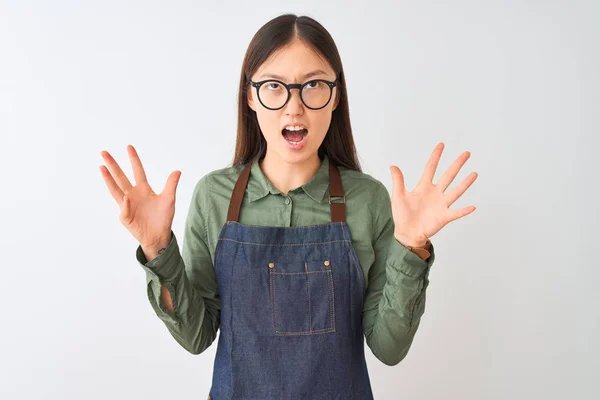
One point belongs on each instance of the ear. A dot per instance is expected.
(337, 99)
(250, 99)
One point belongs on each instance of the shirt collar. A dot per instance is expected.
(259, 186)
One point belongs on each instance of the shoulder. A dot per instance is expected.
(366, 195)
(214, 186)
(217, 180)
(357, 181)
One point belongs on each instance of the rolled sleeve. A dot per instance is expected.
(166, 265)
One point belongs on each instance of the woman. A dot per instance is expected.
(291, 251)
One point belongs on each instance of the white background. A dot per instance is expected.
(512, 309)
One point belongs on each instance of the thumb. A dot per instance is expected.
(171, 185)
(397, 181)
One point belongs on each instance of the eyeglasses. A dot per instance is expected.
(274, 94)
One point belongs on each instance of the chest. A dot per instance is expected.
(297, 209)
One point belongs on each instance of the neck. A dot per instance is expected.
(287, 176)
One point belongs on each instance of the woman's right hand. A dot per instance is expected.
(147, 215)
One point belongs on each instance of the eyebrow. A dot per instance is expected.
(281, 78)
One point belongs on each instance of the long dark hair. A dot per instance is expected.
(275, 34)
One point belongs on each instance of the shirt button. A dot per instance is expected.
(287, 200)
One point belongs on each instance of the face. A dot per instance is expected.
(296, 63)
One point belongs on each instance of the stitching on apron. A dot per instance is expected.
(332, 302)
(286, 227)
(298, 273)
(220, 247)
(327, 330)
(308, 291)
(356, 266)
(329, 277)
(287, 244)
(354, 261)
(274, 303)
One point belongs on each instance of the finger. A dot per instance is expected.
(397, 181)
(116, 171)
(171, 185)
(138, 169)
(458, 191)
(113, 188)
(432, 164)
(456, 214)
(448, 176)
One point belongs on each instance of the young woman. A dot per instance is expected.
(292, 252)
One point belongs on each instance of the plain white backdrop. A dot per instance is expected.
(512, 308)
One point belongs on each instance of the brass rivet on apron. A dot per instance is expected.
(326, 263)
(271, 265)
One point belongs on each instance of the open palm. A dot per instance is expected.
(420, 214)
(148, 216)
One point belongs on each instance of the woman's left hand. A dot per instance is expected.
(420, 214)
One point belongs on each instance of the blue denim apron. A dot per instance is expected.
(291, 308)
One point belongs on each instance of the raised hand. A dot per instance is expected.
(420, 214)
(148, 216)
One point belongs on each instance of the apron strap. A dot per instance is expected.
(233, 214)
(338, 210)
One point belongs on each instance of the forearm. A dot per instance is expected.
(395, 311)
(191, 319)
(398, 317)
(151, 252)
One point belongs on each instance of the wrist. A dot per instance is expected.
(409, 241)
(158, 246)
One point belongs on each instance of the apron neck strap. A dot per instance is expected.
(338, 210)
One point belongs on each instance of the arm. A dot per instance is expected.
(395, 297)
(192, 318)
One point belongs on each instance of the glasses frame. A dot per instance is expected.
(299, 86)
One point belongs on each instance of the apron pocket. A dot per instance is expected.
(302, 297)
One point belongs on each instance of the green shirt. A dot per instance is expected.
(396, 278)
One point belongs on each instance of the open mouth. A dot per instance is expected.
(294, 137)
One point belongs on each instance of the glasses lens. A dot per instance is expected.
(316, 94)
(272, 94)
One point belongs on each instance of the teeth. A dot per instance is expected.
(293, 128)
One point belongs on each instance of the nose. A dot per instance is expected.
(294, 105)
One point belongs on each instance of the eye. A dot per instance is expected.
(272, 85)
(307, 85)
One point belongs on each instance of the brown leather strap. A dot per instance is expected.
(235, 203)
(338, 210)
(423, 252)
